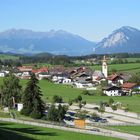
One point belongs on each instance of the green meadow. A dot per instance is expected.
(133, 59)
(130, 67)
(67, 92)
(12, 131)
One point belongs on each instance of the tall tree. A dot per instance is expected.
(32, 103)
(10, 91)
(102, 108)
(61, 112)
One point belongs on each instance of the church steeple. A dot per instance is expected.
(104, 67)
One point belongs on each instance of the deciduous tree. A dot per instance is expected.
(11, 91)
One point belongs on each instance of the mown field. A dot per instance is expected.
(12, 131)
(130, 67)
(66, 92)
(129, 129)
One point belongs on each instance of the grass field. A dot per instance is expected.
(133, 59)
(66, 92)
(129, 129)
(131, 67)
(12, 131)
(4, 57)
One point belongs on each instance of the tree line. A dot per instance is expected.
(63, 59)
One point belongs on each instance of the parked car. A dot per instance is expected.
(98, 119)
(95, 129)
(103, 120)
(70, 113)
(68, 118)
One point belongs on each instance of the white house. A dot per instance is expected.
(115, 79)
(112, 91)
(66, 81)
(83, 85)
(2, 74)
(43, 75)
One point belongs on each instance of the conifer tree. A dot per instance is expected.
(11, 91)
(32, 103)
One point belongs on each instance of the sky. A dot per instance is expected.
(91, 19)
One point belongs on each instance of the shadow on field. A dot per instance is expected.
(9, 131)
(9, 135)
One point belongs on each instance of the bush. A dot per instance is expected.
(110, 102)
(35, 115)
(25, 111)
(85, 92)
(70, 102)
(79, 98)
(84, 103)
(57, 99)
(81, 114)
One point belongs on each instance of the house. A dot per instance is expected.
(80, 71)
(115, 80)
(66, 81)
(61, 78)
(82, 76)
(43, 75)
(97, 76)
(25, 68)
(112, 91)
(2, 74)
(41, 70)
(82, 84)
(126, 76)
(127, 88)
(57, 70)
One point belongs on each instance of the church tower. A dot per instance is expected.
(104, 67)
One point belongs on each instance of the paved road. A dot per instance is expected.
(113, 118)
(102, 132)
(118, 111)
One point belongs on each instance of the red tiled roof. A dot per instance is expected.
(128, 85)
(25, 68)
(112, 77)
(28, 67)
(44, 69)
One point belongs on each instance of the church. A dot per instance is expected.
(101, 74)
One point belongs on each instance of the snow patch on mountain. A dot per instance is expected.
(115, 39)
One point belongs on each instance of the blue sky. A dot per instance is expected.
(92, 19)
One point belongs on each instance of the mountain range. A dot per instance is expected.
(123, 40)
(55, 42)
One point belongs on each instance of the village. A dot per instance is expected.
(79, 113)
(115, 84)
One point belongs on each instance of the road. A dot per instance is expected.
(112, 117)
